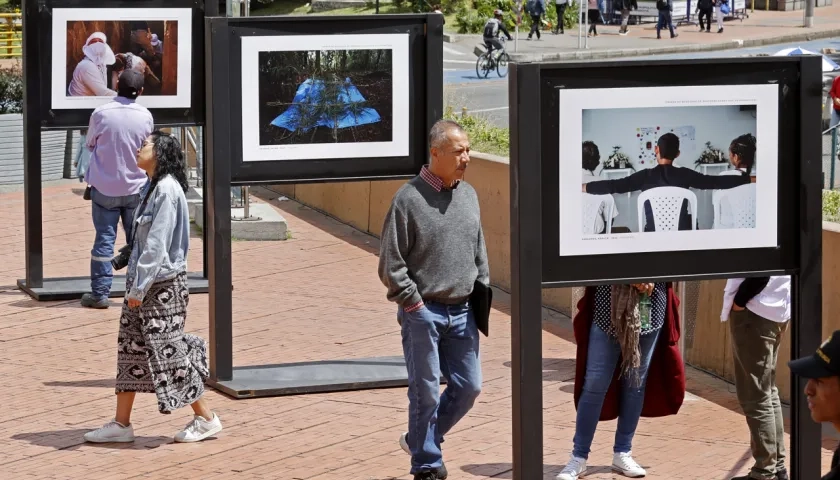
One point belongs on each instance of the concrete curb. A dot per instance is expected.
(698, 47)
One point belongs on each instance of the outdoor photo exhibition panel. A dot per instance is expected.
(311, 99)
(85, 44)
(364, 117)
(73, 53)
(625, 176)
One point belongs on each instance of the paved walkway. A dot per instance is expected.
(315, 296)
(760, 28)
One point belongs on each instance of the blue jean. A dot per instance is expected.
(438, 339)
(664, 21)
(107, 212)
(602, 358)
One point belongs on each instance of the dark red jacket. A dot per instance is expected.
(665, 387)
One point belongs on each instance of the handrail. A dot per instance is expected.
(191, 139)
(11, 29)
(831, 128)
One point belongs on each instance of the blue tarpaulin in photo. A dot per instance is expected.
(307, 98)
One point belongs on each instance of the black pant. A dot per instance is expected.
(594, 15)
(535, 26)
(707, 13)
(561, 13)
(492, 44)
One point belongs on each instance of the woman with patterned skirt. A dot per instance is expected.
(154, 354)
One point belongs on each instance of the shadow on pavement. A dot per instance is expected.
(101, 383)
(73, 440)
(556, 369)
(505, 470)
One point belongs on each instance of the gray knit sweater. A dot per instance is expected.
(432, 245)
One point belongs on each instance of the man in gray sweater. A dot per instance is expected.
(432, 252)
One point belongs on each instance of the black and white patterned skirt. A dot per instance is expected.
(154, 354)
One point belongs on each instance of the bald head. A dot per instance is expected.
(440, 131)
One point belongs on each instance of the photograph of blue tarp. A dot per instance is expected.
(310, 106)
(326, 96)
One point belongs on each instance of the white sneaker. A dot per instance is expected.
(623, 463)
(573, 470)
(111, 432)
(199, 429)
(404, 443)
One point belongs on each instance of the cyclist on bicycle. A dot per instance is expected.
(491, 32)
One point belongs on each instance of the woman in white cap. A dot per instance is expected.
(90, 78)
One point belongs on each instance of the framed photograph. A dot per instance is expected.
(325, 96)
(668, 169)
(92, 46)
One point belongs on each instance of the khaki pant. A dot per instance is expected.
(755, 347)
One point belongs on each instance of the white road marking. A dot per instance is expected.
(487, 109)
(451, 50)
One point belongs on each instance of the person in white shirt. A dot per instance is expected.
(742, 157)
(591, 160)
(90, 77)
(758, 310)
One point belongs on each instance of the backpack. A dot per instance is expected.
(661, 4)
(490, 28)
(530, 6)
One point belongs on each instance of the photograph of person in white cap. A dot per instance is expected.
(90, 77)
(92, 47)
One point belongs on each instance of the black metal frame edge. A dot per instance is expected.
(426, 35)
(217, 201)
(806, 318)
(74, 119)
(220, 33)
(33, 208)
(526, 260)
(666, 278)
(526, 231)
(708, 263)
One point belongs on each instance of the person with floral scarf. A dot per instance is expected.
(626, 322)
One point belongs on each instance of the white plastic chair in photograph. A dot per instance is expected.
(666, 205)
(595, 207)
(735, 207)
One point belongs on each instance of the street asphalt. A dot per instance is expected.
(489, 97)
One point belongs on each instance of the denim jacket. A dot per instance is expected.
(161, 237)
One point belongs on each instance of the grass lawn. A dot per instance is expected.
(301, 7)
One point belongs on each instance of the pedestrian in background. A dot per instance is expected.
(704, 11)
(632, 330)
(560, 7)
(593, 15)
(758, 311)
(536, 8)
(432, 254)
(626, 6)
(116, 131)
(834, 94)
(665, 8)
(719, 7)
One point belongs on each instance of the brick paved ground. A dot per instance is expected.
(314, 296)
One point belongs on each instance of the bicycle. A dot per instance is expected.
(498, 60)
